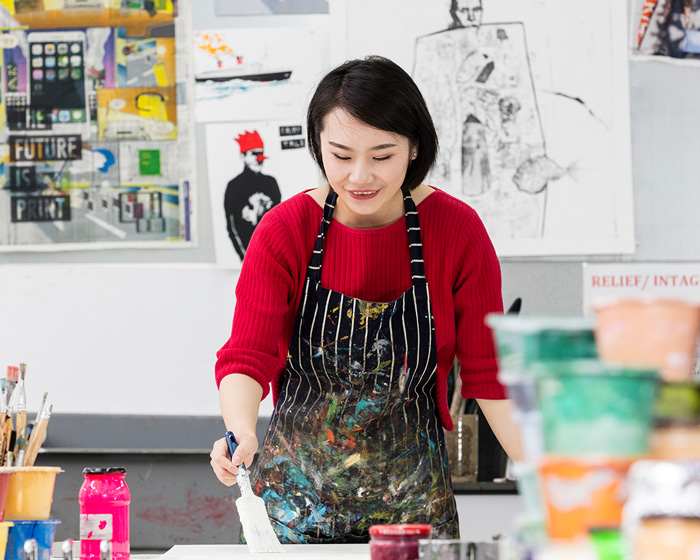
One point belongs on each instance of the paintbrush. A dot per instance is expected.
(41, 408)
(10, 457)
(19, 401)
(257, 529)
(21, 447)
(12, 377)
(5, 435)
(36, 438)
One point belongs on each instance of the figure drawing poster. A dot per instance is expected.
(531, 103)
(252, 167)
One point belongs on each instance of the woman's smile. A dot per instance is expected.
(363, 195)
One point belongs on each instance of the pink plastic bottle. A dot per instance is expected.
(104, 513)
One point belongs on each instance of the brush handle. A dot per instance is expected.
(5, 435)
(242, 476)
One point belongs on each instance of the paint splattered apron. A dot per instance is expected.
(355, 438)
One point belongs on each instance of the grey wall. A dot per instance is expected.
(665, 143)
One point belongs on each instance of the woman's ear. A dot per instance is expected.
(414, 152)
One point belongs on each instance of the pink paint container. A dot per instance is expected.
(396, 542)
(649, 331)
(104, 513)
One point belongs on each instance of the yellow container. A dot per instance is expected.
(30, 492)
(4, 528)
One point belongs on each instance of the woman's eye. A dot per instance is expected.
(383, 158)
(342, 158)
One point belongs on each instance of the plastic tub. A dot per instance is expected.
(530, 490)
(4, 530)
(675, 441)
(43, 530)
(581, 495)
(30, 492)
(590, 407)
(5, 473)
(678, 401)
(524, 341)
(649, 331)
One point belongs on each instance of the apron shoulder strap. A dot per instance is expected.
(415, 244)
(314, 268)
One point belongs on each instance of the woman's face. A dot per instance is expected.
(366, 167)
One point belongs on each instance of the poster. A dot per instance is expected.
(255, 74)
(270, 7)
(530, 101)
(94, 129)
(252, 167)
(665, 30)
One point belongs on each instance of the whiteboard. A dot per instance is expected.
(117, 339)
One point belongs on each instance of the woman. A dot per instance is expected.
(352, 301)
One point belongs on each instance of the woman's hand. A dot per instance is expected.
(226, 469)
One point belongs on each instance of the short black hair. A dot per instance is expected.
(380, 93)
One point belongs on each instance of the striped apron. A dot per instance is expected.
(355, 438)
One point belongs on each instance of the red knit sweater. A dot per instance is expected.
(462, 271)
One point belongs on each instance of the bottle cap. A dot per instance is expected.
(401, 530)
(105, 470)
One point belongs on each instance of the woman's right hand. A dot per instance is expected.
(224, 467)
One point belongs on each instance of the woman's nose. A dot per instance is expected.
(360, 173)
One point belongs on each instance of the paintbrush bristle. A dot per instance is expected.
(12, 373)
(22, 369)
(257, 530)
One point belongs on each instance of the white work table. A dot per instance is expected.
(291, 552)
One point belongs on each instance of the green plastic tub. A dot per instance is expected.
(591, 407)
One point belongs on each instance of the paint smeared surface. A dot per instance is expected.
(197, 513)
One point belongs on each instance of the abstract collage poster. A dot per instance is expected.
(666, 30)
(94, 129)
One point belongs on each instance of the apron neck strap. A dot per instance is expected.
(415, 245)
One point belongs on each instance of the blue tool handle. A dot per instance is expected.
(232, 445)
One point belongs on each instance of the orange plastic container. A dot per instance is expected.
(30, 492)
(583, 494)
(651, 331)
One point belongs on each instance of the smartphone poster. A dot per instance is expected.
(57, 84)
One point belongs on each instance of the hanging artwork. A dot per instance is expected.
(253, 166)
(532, 115)
(254, 74)
(270, 7)
(97, 147)
(666, 30)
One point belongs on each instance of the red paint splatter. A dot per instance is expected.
(199, 512)
(102, 524)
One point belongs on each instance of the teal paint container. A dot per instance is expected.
(590, 407)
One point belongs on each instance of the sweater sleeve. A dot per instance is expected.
(477, 292)
(264, 293)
